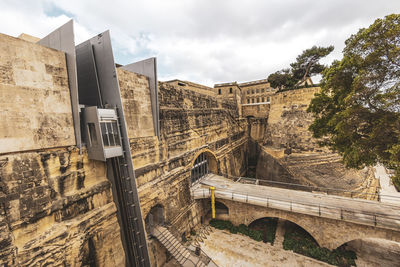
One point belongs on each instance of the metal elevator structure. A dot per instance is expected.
(104, 132)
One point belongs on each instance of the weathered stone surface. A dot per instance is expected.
(32, 79)
(191, 123)
(135, 93)
(58, 211)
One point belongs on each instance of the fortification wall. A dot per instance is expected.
(32, 79)
(191, 122)
(288, 121)
(255, 110)
(135, 94)
(56, 204)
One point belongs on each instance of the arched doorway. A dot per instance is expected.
(203, 165)
(154, 217)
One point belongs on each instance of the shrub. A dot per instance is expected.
(243, 229)
(300, 242)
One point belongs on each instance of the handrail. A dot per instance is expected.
(174, 246)
(322, 189)
(345, 213)
(175, 232)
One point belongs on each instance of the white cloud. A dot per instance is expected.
(206, 41)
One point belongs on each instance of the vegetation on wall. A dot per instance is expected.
(299, 241)
(358, 110)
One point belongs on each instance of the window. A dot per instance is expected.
(248, 92)
(258, 90)
(110, 134)
(252, 91)
(219, 91)
(262, 90)
(230, 90)
(268, 99)
(263, 99)
(258, 100)
(248, 101)
(200, 168)
(252, 100)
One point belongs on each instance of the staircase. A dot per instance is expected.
(178, 251)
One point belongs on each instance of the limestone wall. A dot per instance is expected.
(57, 209)
(135, 93)
(191, 122)
(32, 79)
(255, 110)
(57, 206)
(288, 121)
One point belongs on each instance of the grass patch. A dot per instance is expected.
(301, 242)
(267, 234)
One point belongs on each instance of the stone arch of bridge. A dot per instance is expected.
(212, 159)
(329, 233)
(246, 214)
(361, 235)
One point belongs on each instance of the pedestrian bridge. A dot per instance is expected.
(331, 220)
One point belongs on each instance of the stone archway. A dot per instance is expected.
(203, 163)
(244, 213)
(154, 217)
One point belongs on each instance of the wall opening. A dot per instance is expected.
(154, 217)
(200, 168)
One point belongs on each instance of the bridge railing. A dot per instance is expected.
(310, 188)
(305, 207)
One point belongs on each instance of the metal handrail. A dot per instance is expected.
(322, 189)
(344, 212)
(174, 246)
(175, 232)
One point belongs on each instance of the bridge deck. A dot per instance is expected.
(335, 207)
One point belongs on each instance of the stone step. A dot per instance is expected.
(177, 250)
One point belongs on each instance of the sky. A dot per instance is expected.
(203, 41)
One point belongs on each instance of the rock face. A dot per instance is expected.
(57, 210)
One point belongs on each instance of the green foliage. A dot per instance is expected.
(243, 229)
(282, 79)
(301, 242)
(306, 65)
(358, 110)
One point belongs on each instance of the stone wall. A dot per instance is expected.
(135, 94)
(288, 121)
(32, 79)
(57, 209)
(57, 206)
(191, 123)
(255, 110)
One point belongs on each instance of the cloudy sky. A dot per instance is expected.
(204, 41)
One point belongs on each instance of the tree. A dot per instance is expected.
(357, 112)
(282, 79)
(306, 65)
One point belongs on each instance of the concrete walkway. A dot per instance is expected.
(368, 212)
(387, 192)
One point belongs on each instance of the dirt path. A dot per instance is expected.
(235, 250)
